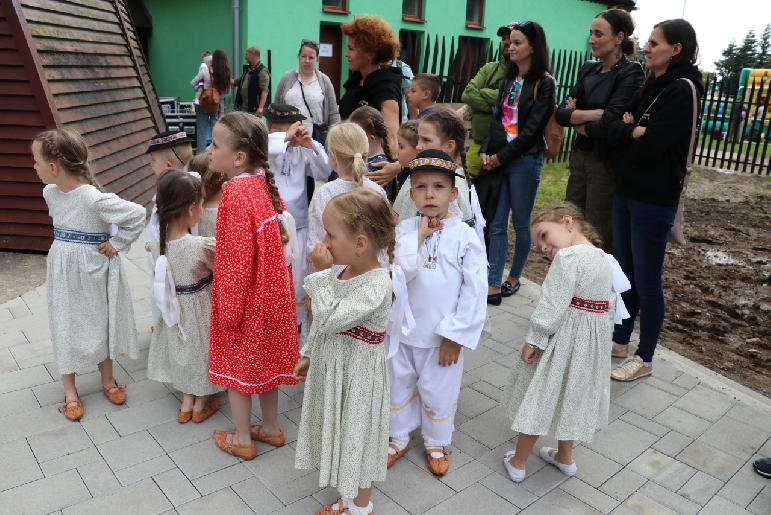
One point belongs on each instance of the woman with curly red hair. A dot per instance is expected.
(372, 45)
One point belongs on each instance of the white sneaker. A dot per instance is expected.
(515, 474)
(548, 453)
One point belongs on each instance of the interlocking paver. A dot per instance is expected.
(622, 485)
(257, 496)
(720, 506)
(176, 487)
(59, 442)
(475, 499)
(670, 447)
(711, 460)
(705, 403)
(130, 450)
(144, 497)
(621, 442)
(590, 495)
(735, 437)
(25, 468)
(700, 488)
(45, 495)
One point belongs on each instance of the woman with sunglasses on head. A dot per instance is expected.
(514, 147)
(600, 95)
(310, 90)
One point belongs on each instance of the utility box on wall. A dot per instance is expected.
(77, 65)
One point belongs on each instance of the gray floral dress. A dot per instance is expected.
(567, 389)
(90, 313)
(179, 355)
(207, 225)
(344, 424)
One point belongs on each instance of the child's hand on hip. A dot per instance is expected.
(301, 368)
(321, 257)
(449, 352)
(107, 249)
(529, 353)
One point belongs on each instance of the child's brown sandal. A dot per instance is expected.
(72, 410)
(116, 394)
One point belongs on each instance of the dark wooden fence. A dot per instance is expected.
(734, 130)
(735, 127)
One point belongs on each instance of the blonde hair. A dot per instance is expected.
(69, 150)
(363, 211)
(248, 134)
(348, 143)
(409, 132)
(556, 213)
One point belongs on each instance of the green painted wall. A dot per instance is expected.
(181, 31)
(281, 25)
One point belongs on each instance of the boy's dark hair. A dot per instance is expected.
(430, 83)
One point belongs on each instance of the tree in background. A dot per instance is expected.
(754, 52)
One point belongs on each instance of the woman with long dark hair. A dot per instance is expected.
(654, 139)
(217, 76)
(600, 95)
(514, 148)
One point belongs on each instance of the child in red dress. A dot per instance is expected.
(253, 325)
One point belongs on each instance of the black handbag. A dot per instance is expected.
(320, 130)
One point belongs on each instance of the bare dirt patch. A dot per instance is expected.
(717, 288)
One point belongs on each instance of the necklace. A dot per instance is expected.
(432, 250)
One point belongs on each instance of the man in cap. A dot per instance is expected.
(480, 95)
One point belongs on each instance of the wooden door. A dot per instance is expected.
(331, 38)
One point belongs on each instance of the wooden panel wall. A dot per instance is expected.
(24, 112)
(86, 52)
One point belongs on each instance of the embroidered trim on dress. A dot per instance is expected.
(73, 236)
(593, 306)
(187, 289)
(243, 383)
(366, 335)
(409, 401)
(266, 221)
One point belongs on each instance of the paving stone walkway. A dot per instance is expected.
(674, 444)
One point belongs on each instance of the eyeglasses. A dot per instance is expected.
(314, 44)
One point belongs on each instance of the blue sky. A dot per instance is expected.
(716, 21)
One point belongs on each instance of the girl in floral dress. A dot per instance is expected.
(562, 382)
(253, 346)
(344, 424)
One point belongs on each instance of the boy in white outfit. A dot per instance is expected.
(293, 156)
(445, 266)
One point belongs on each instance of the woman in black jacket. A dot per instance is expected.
(601, 94)
(514, 148)
(654, 140)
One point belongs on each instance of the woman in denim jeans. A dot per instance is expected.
(653, 140)
(514, 147)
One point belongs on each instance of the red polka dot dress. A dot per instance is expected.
(253, 324)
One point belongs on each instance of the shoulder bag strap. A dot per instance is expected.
(689, 159)
(302, 92)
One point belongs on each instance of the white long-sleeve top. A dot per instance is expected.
(290, 167)
(446, 283)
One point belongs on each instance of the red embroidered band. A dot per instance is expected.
(594, 306)
(363, 334)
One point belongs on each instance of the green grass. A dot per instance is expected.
(747, 148)
(554, 180)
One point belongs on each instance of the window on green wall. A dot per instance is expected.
(475, 14)
(412, 10)
(334, 6)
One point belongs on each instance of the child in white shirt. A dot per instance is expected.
(445, 266)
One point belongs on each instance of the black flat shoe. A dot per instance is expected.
(508, 289)
(494, 299)
(763, 467)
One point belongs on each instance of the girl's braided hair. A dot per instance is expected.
(363, 211)
(348, 143)
(69, 149)
(557, 212)
(372, 121)
(248, 134)
(176, 191)
(212, 181)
